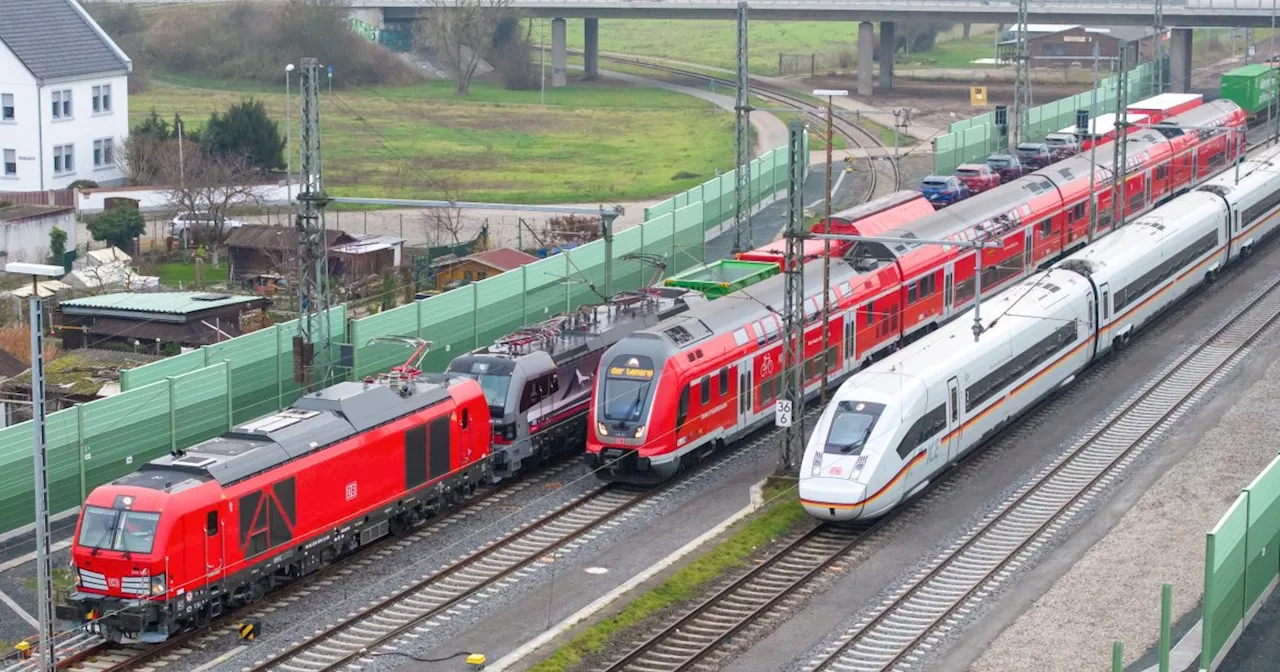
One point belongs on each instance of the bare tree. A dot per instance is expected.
(444, 226)
(144, 159)
(460, 33)
(212, 186)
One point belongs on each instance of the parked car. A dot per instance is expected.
(978, 177)
(184, 221)
(1035, 155)
(943, 190)
(1062, 145)
(1007, 165)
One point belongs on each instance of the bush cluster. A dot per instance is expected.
(251, 42)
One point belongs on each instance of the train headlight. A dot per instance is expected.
(817, 464)
(640, 431)
(601, 429)
(157, 584)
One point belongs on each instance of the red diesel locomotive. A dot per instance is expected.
(668, 395)
(191, 535)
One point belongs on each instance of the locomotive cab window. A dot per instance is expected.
(211, 523)
(724, 381)
(851, 427)
(466, 418)
(627, 384)
(118, 530)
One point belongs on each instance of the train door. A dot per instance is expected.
(952, 438)
(1104, 313)
(744, 393)
(1027, 247)
(213, 555)
(948, 282)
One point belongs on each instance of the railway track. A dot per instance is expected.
(860, 137)
(81, 650)
(699, 635)
(494, 566)
(905, 627)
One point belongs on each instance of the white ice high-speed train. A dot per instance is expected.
(896, 425)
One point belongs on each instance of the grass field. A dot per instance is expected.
(589, 142)
(172, 273)
(714, 43)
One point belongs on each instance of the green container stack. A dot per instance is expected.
(1252, 87)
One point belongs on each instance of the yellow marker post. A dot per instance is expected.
(978, 96)
(24, 649)
(476, 661)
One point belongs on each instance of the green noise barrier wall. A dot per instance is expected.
(182, 400)
(1242, 563)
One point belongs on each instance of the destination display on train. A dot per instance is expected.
(635, 368)
(630, 372)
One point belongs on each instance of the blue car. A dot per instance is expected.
(943, 190)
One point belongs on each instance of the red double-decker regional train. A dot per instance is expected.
(191, 535)
(669, 395)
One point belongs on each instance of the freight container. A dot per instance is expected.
(1252, 87)
(723, 277)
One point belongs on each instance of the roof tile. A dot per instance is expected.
(54, 38)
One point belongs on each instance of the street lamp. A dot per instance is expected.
(44, 570)
(826, 245)
(288, 134)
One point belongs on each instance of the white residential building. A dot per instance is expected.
(64, 98)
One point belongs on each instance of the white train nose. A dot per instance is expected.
(833, 499)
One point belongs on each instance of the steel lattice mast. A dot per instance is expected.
(312, 345)
(1022, 79)
(793, 303)
(1158, 49)
(742, 143)
(1119, 159)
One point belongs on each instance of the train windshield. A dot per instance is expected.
(851, 427)
(118, 529)
(627, 383)
(493, 375)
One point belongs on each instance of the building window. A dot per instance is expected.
(64, 160)
(7, 112)
(102, 99)
(62, 104)
(10, 162)
(103, 153)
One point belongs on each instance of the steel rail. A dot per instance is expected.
(899, 631)
(446, 588)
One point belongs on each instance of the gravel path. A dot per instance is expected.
(1113, 591)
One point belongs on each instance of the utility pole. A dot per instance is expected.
(606, 233)
(742, 143)
(1158, 49)
(1119, 163)
(826, 244)
(1093, 150)
(1273, 108)
(44, 563)
(311, 346)
(1022, 79)
(792, 398)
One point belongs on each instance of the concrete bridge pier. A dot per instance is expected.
(887, 50)
(591, 48)
(866, 51)
(558, 40)
(1180, 60)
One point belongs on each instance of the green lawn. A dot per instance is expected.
(589, 142)
(714, 42)
(175, 272)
